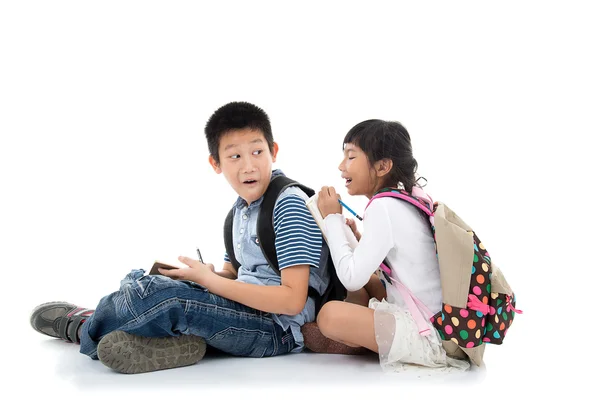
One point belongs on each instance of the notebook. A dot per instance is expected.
(311, 204)
(154, 270)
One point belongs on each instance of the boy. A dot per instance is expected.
(158, 322)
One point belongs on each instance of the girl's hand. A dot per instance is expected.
(328, 201)
(197, 271)
(352, 224)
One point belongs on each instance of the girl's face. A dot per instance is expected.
(360, 176)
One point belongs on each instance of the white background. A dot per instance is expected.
(103, 164)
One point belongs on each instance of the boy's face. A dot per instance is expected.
(246, 162)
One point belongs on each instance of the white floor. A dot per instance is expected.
(56, 369)
(521, 368)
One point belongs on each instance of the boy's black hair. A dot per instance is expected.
(232, 116)
(386, 139)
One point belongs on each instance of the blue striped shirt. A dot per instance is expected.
(298, 239)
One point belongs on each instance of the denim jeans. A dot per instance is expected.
(157, 306)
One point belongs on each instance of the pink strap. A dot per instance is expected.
(420, 193)
(413, 304)
(509, 306)
(416, 192)
(477, 305)
(385, 269)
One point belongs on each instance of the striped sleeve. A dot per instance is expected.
(226, 258)
(298, 239)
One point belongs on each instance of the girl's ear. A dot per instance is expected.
(382, 167)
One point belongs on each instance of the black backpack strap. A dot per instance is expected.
(228, 236)
(265, 229)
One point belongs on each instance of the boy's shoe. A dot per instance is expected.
(316, 342)
(131, 354)
(59, 319)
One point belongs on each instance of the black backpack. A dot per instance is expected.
(266, 238)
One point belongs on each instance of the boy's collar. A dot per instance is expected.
(241, 203)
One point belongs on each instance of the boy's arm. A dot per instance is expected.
(289, 298)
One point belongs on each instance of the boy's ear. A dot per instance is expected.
(275, 150)
(382, 167)
(214, 164)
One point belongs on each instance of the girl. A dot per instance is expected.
(378, 155)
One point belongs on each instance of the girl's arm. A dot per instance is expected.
(354, 268)
(375, 288)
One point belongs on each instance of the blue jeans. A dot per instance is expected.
(157, 306)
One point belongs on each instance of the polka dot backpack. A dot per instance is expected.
(478, 305)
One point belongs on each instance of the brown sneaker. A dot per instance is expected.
(315, 341)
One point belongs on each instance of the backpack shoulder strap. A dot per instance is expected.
(265, 229)
(423, 204)
(228, 236)
(418, 198)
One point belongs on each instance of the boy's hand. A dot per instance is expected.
(197, 271)
(352, 224)
(328, 201)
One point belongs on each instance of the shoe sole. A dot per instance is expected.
(131, 354)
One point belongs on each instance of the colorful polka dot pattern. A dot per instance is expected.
(469, 328)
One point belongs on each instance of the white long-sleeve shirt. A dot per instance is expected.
(393, 230)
